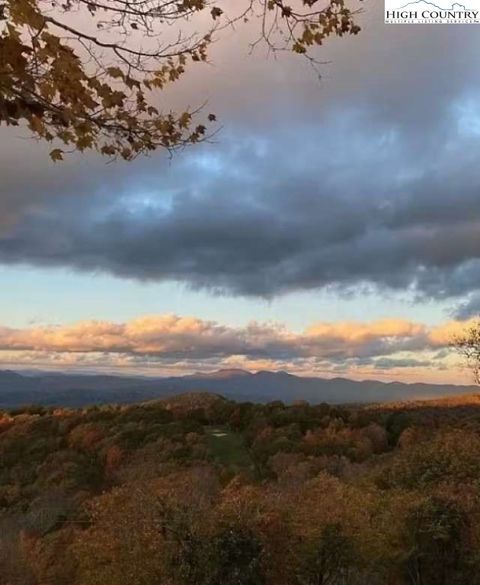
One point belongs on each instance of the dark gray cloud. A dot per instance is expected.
(369, 178)
(470, 307)
(389, 363)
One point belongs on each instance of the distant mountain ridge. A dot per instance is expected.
(75, 390)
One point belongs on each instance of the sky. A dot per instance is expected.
(330, 228)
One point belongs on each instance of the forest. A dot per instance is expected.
(202, 490)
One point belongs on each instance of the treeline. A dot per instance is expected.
(205, 491)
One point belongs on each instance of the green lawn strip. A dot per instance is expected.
(228, 447)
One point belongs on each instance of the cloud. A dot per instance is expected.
(265, 232)
(185, 344)
(469, 307)
(370, 178)
(389, 363)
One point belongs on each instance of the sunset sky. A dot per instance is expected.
(331, 228)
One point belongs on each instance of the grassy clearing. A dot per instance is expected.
(228, 447)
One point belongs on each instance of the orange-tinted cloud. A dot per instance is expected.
(172, 334)
(398, 347)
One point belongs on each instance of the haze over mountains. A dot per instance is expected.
(63, 389)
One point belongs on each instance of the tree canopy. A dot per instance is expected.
(82, 73)
(198, 490)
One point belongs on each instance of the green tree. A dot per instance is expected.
(236, 555)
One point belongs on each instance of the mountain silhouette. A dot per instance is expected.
(73, 390)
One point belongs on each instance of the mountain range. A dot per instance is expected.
(76, 390)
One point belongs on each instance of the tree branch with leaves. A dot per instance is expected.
(467, 344)
(84, 73)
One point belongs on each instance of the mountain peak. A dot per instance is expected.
(230, 372)
(222, 374)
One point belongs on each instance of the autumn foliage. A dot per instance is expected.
(206, 491)
(85, 75)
